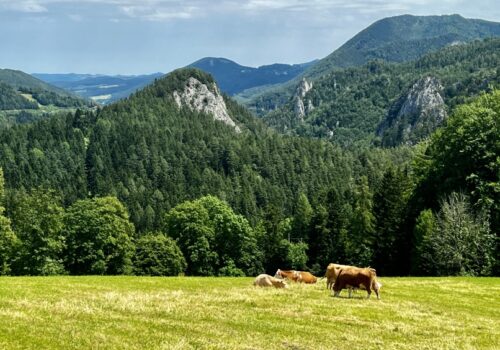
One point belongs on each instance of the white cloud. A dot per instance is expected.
(27, 6)
(75, 17)
(158, 13)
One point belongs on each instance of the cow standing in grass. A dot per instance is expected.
(354, 277)
(332, 272)
(264, 280)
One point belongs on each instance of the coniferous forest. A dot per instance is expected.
(146, 187)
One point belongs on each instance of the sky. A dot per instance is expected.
(146, 36)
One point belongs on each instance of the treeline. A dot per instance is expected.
(46, 98)
(10, 99)
(303, 203)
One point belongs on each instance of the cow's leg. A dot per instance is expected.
(350, 292)
(369, 293)
(377, 294)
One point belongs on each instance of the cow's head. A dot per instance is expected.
(278, 274)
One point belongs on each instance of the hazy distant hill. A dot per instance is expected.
(103, 89)
(233, 78)
(394, 39)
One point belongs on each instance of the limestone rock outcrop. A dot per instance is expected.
(202, 98)
(415, 115)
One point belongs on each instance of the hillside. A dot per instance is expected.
(154, 154)
(233, 78)
(393, 39)
(24, 98)
(103, 89)
(42, 92)
(354, 103)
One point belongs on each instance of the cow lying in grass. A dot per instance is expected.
(306, 277)
(290, 275)
(355, 277)
(264, 280)
(296, 276)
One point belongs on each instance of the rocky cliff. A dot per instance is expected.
(415, 115)
(302, 106)
(202, 98)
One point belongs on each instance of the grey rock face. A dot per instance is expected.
(424, 99)
(198, 97)
(415, 115)
(300, 108)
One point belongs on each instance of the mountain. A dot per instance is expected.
(103, 89)
(394, 39)
(157, 149)
(404, 38)
(405, 102)
(233, 78)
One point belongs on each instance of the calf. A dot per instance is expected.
(264, 280)
(353, 277)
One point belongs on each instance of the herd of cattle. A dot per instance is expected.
(337, 276)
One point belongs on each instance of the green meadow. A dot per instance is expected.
(229, 313)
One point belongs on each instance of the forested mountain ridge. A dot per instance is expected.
(393, 39)
(153, 154)
(298, 202)
(350, 104)
(233, 78)
(404, 38)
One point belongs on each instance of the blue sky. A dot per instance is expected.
(136, 37)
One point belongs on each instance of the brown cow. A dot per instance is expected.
(296, 276)
(306, 277)
(291, 275)
(332, 272)
(264, 280)
(353, 277)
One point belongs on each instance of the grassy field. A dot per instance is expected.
(229, 313)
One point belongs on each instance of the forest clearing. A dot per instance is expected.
(125, 312)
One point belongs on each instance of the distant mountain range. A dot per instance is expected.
(233, 78)
(102, 89)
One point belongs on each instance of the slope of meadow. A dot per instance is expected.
(229, 313)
